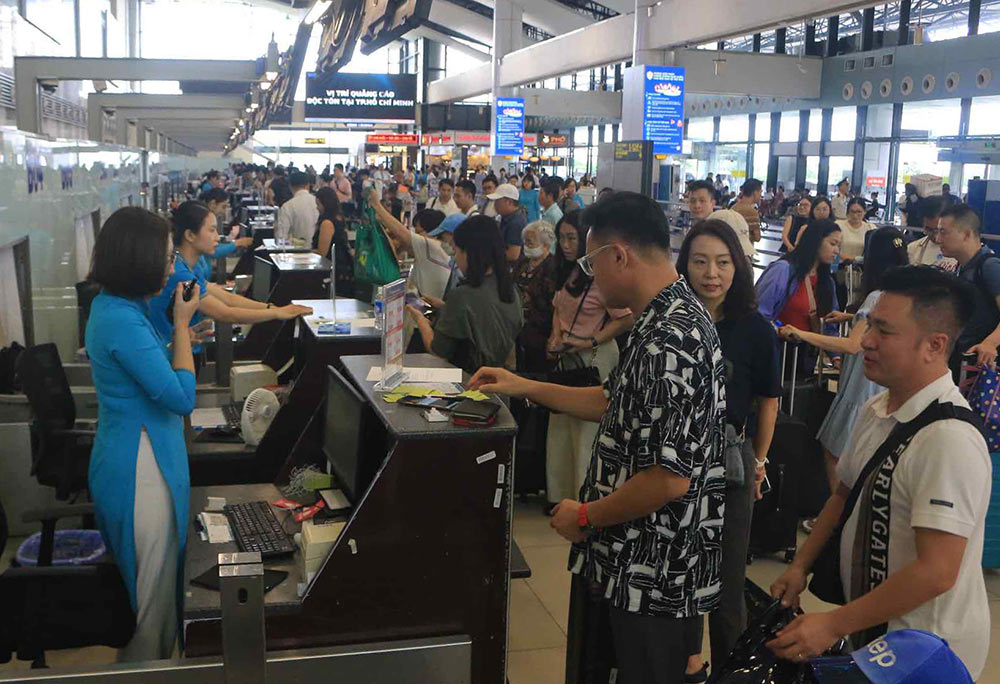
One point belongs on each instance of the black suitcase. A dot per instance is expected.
(529, 463)
(774, 526)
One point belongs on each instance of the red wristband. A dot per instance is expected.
(582, 517)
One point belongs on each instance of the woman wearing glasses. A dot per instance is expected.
(583, 335)
(138, 475)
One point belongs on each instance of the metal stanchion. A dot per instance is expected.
(241, 581)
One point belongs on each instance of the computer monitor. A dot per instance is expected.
(261, 286)
(16, 311)
(343, 434)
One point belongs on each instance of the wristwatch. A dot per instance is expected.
(594, 343)
(582, 520)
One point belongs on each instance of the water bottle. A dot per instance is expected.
(379, 308)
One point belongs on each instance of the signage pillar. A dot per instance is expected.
(653, 106)
(507, 32)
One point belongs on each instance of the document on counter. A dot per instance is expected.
(434, 375)
(202, 418)
(215, 527)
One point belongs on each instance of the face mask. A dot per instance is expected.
(534, 252)
(448, 248)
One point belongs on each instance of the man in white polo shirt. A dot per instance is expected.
(911, 550)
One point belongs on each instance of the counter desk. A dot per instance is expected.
(426, 550)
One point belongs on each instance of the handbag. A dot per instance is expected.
(571, 370)
(826, 583)
(735, 469)
(374, 261)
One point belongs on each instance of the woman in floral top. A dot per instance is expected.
(534, 275)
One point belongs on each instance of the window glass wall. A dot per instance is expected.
(786, 172)
(840, 168)
(879, 121)
(762, 129)
(700, 129)
(932, 119)
(844, 123)
(812, 173)
(734, 128)
(789, 131)
(919, 157)
(815, 124)
(730, 161)
(761, 156)
(984, 118)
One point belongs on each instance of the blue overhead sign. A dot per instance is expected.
(663, 108)
(509, 140)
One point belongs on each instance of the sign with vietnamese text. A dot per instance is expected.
(509, 140)
(392, 139)
(875, 182)
(663, 108)
(389, 98)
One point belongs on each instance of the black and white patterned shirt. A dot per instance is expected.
(666, 407)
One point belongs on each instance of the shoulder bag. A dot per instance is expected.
(826, 583)
(571, 370)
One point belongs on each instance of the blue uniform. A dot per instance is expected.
(203, 267)
(136, 388)
(158, 304)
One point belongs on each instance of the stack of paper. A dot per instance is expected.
(215, 528)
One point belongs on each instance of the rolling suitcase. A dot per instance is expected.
(774, 526)
(529, 464)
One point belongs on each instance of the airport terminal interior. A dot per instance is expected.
(499, 341)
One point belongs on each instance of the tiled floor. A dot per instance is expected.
(537, 653)
(539, 607)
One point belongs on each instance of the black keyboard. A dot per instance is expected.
(256, 529)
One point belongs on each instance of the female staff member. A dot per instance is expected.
(794, 223)
(331, 232)
(535, 278)
(716, 268)
(583, 333)
(886, 249)
(482, 315)
(138, 475)
(194, 235)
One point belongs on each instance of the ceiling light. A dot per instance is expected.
(270, 75)
(253, 106)
(318, 9)
(265, 85)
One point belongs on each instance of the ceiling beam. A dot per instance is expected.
(28, 71)
(550, 16)
(672, 24)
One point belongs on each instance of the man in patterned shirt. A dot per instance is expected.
(649, 525)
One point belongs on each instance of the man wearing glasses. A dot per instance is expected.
(927, 250)
(646, 527)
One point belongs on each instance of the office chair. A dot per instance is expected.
(48, 607)
(60, 453)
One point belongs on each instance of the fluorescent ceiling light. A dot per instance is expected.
(265, 85)
(318, 9)
(270, 75)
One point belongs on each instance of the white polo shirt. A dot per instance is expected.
(942, 482)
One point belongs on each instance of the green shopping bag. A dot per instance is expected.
(374, 261)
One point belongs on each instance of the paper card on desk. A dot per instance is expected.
(435, 416)
(202, 418)
(216, 526)
(410, 375)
